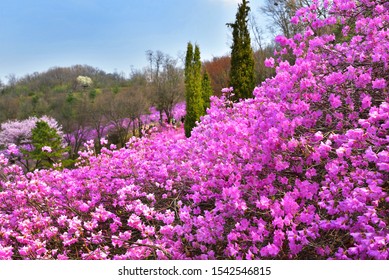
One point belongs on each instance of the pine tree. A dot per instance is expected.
(207, 91)
(47, 147)
(193, 88)
(242, 76)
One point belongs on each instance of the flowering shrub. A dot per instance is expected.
(298, 172)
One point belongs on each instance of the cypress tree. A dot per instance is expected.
(242, 76)
(207, 91)
(197, 84)
(193, 88)
(188, 65)
(188, 90)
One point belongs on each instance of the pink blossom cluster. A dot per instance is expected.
(300, 171)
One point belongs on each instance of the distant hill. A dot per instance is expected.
(44, 92)
(64, 77)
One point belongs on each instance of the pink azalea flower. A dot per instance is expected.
(46, 149)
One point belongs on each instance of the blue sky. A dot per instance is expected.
(110, 35)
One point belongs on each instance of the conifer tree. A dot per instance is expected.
(188, 89)
(47, 146)
(193, 88)
(207, 91)
(188, 64)
(197, 84)
(242, 76)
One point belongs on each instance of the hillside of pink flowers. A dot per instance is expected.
(300, 171)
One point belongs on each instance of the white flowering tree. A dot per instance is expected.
(84, 81)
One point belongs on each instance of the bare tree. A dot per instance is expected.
(75, 120)
(281, 12)
(124, 114)
(117, 114)
(166, 81)
(257, 32)
(12, 80)
(98, 120)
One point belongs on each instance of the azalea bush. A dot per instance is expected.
(300, 171)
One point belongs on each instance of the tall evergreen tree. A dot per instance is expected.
(207, 91)
(188, 90)
(197, 84)
(193, 88)
(242, 76)
(188, 65)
